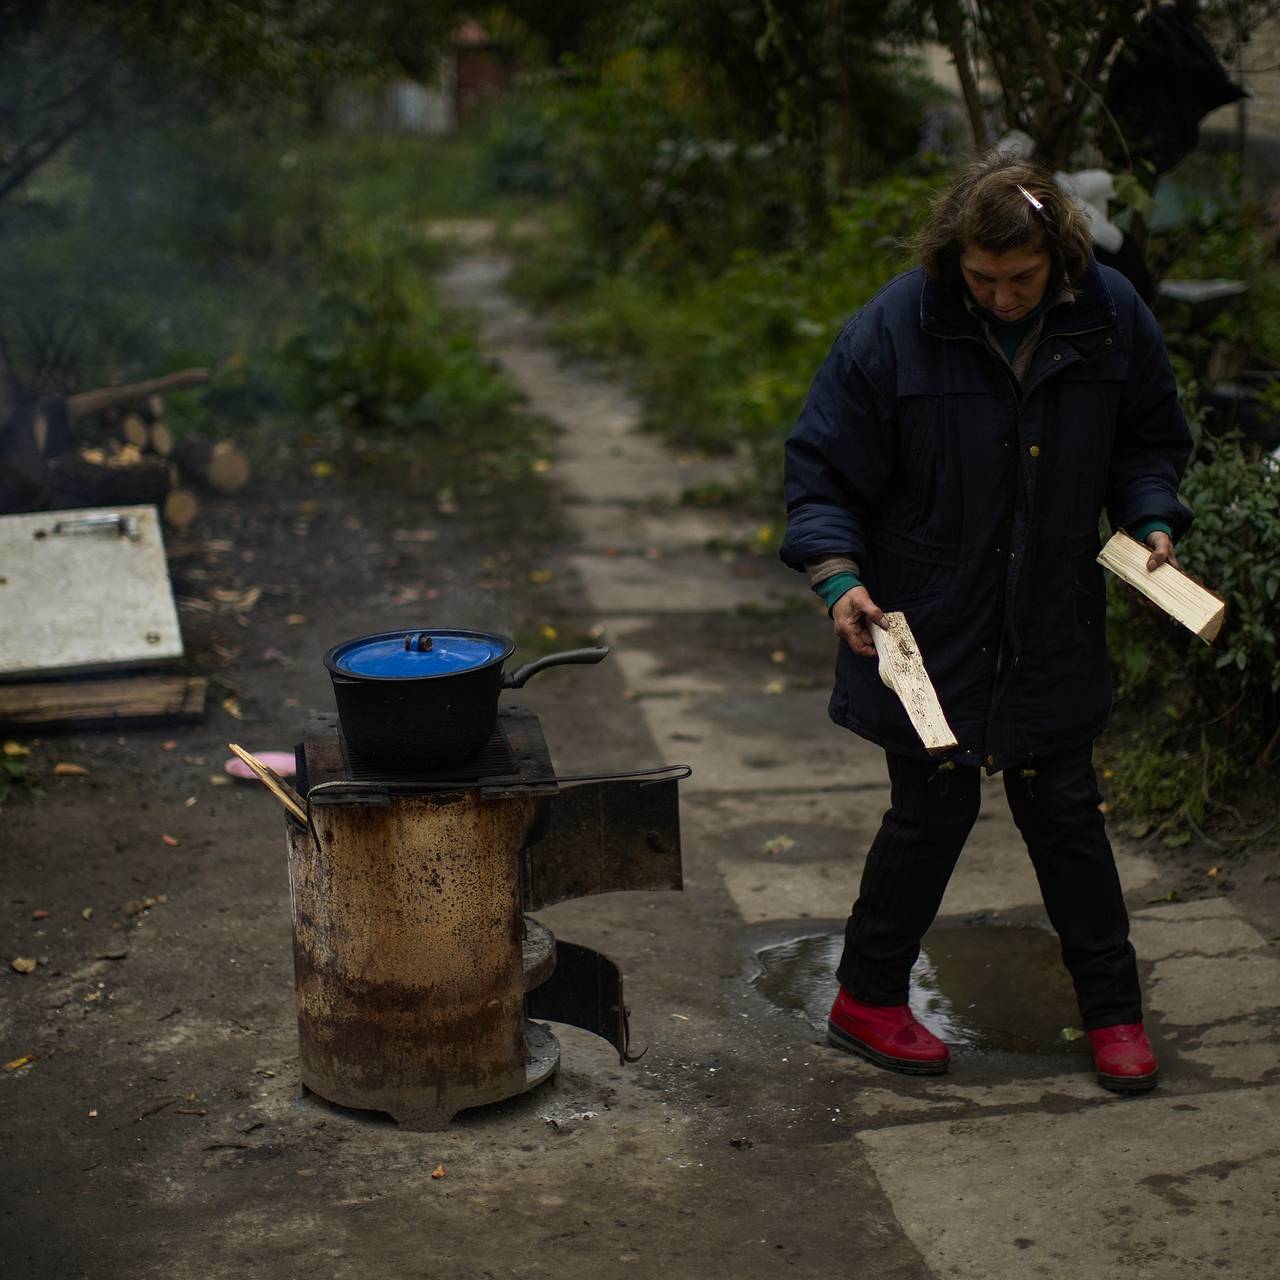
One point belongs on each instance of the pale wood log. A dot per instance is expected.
(133, 393)
(160, 438)
(220, 465)
(36, 704)
(274, 783)
(902, 669)
(181, 507)
(133, 429)
(1172, 590)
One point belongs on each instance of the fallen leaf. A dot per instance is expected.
(778, 655)
(295, 619)
(170, 840)
(92, 997)
(549, 632)
(682, 1017)
(15, 750)
(1071, 1033)
(775, 687)
(1176, 839)
(87, 913)
(189, 801)
(18, 1062)
(438, 1171)
(779, 844)
(136, 906)
(541, 576)
(219, 780)
(39, 914)
(64, 769)
(1171, 896)
(22, 964)
(232, 707)
(540, 466)
(322, 470)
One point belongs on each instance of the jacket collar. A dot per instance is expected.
(943, 311)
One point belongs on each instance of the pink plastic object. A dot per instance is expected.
(280, 761)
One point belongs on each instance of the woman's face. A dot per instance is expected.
(1009, 284)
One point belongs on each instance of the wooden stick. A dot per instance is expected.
(1182, 599)
(134, 393)
(274, 783)
(902, 669)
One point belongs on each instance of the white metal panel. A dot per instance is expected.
(85, 590)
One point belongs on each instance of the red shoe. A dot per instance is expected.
(1123, 1058)
(887, 1035)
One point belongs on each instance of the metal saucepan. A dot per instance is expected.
(428, 698)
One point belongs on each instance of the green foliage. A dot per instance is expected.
(1217, 709)
(724, 361)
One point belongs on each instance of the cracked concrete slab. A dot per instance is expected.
(1193, 990)
(1070, 1195)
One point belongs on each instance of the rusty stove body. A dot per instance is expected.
(418, 973)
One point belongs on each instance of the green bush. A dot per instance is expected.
(1208, 711)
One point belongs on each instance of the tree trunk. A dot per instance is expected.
(947, 14)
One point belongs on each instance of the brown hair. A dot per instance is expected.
(984, 209)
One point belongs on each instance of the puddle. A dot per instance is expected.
(981, 987)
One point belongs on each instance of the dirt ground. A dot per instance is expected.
(157, 1129)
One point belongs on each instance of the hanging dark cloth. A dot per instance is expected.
(1166, 79)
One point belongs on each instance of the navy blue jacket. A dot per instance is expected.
(972, 503)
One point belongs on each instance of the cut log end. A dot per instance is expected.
(181, 507)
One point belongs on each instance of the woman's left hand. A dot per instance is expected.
(1161, 551)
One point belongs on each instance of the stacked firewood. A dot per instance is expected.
(121, 453)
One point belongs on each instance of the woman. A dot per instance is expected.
(952, 460)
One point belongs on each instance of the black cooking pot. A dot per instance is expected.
(427, 699)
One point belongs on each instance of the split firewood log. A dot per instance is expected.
(902, 669)
(160, 439)
(219, 465)
(180, 509)
(133, 430)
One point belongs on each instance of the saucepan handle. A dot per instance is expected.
(516, 679)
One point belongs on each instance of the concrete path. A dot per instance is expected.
(1014, 1164)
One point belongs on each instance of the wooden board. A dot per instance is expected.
(902, 669)
(85, 591)
(44, 704)
(1181, 598)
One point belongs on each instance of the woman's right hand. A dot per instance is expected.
(853, 616)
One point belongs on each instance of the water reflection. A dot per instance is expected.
(983, 987)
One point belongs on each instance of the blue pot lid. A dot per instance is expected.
(399, 655)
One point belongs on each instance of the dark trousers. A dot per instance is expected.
(930, 816)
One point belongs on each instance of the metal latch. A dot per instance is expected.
(124, 526)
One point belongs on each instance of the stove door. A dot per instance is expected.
(584, 991)
(603, 837)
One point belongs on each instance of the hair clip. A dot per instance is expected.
(1031, 200)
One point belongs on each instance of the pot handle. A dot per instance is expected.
(517, 678)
